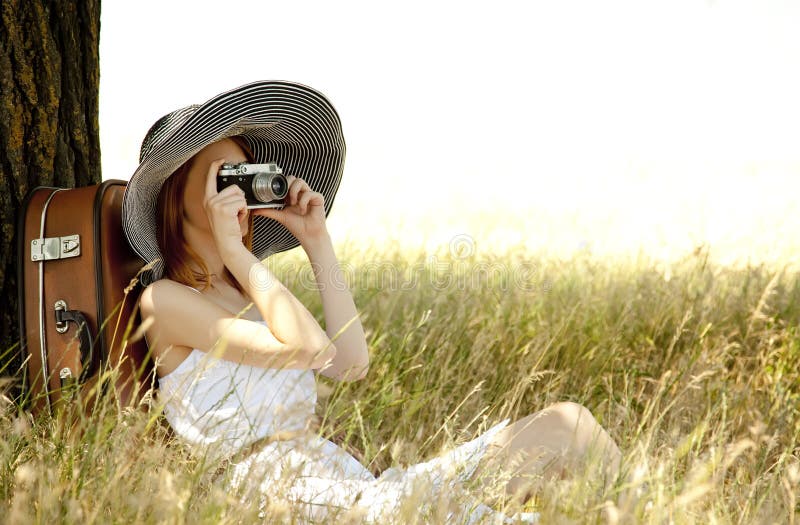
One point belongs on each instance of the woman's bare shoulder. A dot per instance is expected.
(177, 314)
(172, 303)
(165, 294)
(180, 316)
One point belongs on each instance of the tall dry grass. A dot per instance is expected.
(695, 372)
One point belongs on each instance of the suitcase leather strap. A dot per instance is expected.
(88, 362)
(42, 332)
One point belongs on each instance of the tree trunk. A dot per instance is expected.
(49, 85)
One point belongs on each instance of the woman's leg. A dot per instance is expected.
(546, 445)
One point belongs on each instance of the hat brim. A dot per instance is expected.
(284, 122)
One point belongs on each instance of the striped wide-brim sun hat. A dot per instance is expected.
(284, 122)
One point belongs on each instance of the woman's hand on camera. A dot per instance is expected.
(303, 213)
(226, 210)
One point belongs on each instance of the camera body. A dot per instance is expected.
(264, 185)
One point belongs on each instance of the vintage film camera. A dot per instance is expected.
(264, 185)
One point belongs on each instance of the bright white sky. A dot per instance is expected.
(609, 126)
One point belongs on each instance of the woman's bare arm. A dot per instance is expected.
(287, 317)
(209, 327)
(352, 356)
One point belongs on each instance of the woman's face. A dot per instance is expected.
(194, 193)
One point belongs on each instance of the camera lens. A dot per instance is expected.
(279, 186)
(269, 186)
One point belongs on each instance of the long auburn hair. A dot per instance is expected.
(176, 252)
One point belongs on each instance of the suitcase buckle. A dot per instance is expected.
(55, 247)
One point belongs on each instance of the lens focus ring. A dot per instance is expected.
(269, 186)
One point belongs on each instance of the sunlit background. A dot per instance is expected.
(615, 128)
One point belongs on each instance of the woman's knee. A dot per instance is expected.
(572, 414)
(575, 423)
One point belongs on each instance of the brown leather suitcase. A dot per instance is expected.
(78, 297)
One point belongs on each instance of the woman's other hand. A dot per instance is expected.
(227, 211)
(303, 213)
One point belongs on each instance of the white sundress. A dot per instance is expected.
(218, 407)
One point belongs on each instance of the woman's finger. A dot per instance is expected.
(318, 199)
(233, 189)
(231, 202)
(303, 201)
(297, 186)
(223, 198)
(236, 210)
(272, 213)
(230, 191)
(224, 202)
(211, 178)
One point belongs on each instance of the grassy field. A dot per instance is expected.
(692, 367)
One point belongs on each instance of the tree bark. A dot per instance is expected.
(49, 134)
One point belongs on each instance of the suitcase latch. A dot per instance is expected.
(55, 247)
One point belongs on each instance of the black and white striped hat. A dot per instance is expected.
(284, 122)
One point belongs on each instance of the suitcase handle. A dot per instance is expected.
(63, 316)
